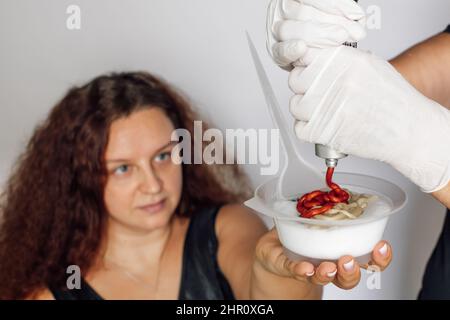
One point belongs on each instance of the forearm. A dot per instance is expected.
(265, 285)
(427, 67)
(443, 195)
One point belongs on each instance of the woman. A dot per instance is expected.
(97, 188)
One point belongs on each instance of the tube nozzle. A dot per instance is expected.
(331, 156)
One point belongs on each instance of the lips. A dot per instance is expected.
(154, 207)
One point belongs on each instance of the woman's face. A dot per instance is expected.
(144, 185)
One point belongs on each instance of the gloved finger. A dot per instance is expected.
(313, 82)
(348, 274)
(346, 8)
(301, 78)
(300, 111)
(302, 131)
(292, 10)
(295, 110)
(273, 14)
(302, 126)
(286, 52)
(324, 273)
(307, 58)
(313, 34)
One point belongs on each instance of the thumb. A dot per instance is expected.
(271, 255)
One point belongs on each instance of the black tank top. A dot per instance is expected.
(201, 277)
(436, 280)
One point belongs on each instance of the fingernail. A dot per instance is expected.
(310, 274)
(331, 274)
(349, 265)
(383, 250)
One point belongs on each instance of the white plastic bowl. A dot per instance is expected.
(320, 240)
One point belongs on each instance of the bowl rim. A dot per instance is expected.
(261, 206)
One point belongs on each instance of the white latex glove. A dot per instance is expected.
(358, 104)
(297, 29)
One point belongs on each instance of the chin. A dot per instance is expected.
(154, 220)
(147, 220)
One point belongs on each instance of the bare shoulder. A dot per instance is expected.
(43, 294)
(237, 217)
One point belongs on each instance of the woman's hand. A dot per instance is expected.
(345, 274)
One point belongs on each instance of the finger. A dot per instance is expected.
(302, 270)
(273, 233)
(295, 82)
(313, 34)
(292, 10)
(271, 253)
(324, 273)
(362, 22)
(286, 52)
(348, 274)
(355, 30)
(347, 8)
(307, 58)
(295, 110)
(300, 80)
(302, 130)
(298, 110)
(283, 266)
(268, 247)
(314, 84)
(381, 255)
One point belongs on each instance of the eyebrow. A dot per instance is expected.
(161, 148)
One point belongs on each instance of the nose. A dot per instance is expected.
(150, 183)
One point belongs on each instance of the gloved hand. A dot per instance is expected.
(298, 29)
(357, 103)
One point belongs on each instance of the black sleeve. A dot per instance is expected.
(448, 29)
(436, 280)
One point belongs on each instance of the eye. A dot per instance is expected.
(162, 156)
(121, 170)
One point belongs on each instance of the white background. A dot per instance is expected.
(200, 46)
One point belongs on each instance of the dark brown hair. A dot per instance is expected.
(52, 209)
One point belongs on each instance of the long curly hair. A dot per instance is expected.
(52, 209)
